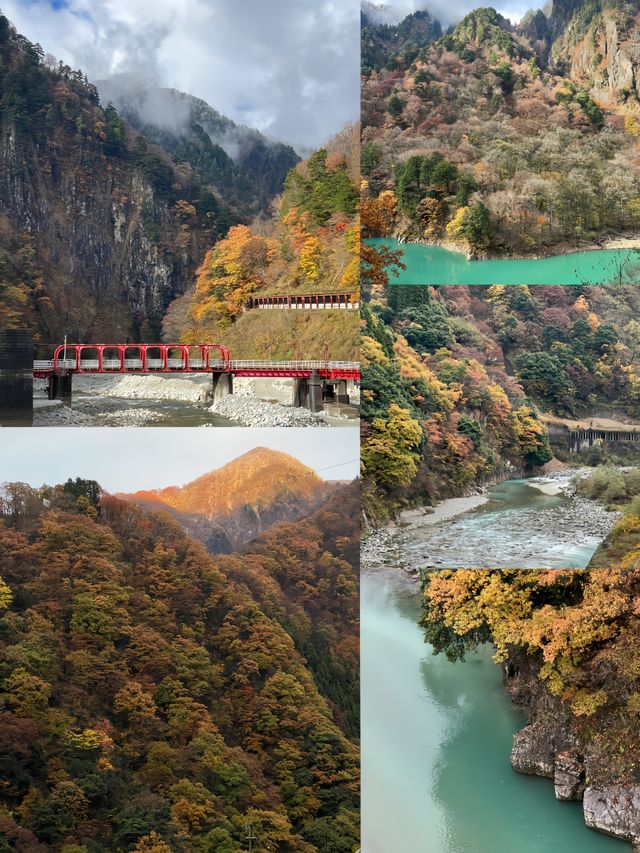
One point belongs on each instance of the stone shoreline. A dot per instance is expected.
(550, 747)
(386, 547)
(559, 249)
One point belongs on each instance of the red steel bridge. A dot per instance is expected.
(310, 301)
(317, 379)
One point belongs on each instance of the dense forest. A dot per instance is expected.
(309, 245)
(101, 228)
(155, 698)
(458, 381)
(568, 645)
(496, 139)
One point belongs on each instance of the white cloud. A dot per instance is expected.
(289, 67)
(451, 11)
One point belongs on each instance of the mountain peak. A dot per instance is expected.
(241, 499)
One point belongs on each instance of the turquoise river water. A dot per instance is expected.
(435, 265)
(436, 738)
(519, 526)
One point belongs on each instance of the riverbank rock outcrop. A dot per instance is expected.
(551, 746)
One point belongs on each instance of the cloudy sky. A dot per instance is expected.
(451, 11)
(287, 67)
(128, 459)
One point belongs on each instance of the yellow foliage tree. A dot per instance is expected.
(229, 274)
(310, 259)
(388, 454)
(455, 228)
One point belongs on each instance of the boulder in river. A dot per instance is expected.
(615, 810)
(533, 752)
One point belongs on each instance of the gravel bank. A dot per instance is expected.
(255, 402)
(62, 416)
(132, 387)
(445, 510)
(559, 529)
(379, 550)
(253, 412)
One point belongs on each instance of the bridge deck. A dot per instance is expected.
(172, 366)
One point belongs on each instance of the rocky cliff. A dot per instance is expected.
(105, 244)
(599, 48)
(556, 746)
(101, 228)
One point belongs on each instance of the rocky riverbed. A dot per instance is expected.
(252, 412)
(178, 401)
(534, 523)
(61, 416)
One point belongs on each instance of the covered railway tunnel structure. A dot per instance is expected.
(578, 438)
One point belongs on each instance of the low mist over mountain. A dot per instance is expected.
(238, 161)
(381, 36)
(103, 226)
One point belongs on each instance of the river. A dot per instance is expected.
(166, 413)
(435, 265)
(519, 526)
(436, 739)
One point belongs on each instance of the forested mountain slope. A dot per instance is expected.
(455, 380)
(380, 40)
(497, 139)
(101, 228)
(242, 164)
(232, 504)
(154, 697)
(309, 245)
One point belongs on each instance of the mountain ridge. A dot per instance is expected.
(509, 140)
(232, 157)
(101, 229)
(230, 505)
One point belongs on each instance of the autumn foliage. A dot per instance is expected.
(577, 630)
(309, 245)
(154, 698)
(489, 137)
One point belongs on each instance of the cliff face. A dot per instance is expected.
(553, 745)
(107, 246)
(101, 228)
(602, 53)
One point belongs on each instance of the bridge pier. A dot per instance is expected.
(300, 392)
(222, 385)
(342, 391)
(308, 393)
(315, 392)
(16, 378)
(60, 386)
